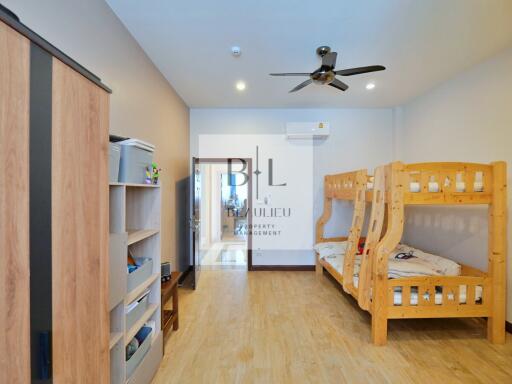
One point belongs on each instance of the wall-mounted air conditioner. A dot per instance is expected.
(312, 130)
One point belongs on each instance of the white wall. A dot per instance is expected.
(360, 138)
(468, 118)
(142, 105)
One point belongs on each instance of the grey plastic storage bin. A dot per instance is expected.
(135, 158)
(147, 368)
(114, 156)
(136, 313)
(141, 274)
(137, 357)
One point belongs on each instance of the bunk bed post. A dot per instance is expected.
(395, 182)
(355, 231)
(372, 237)
(326, 215)
(497, 250)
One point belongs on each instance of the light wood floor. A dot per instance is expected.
(290, 327)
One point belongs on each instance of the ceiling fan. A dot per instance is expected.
(326, 75)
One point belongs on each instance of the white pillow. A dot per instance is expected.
(331, 249)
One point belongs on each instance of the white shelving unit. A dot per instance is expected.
(134, 226)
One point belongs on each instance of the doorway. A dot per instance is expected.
(223, 237)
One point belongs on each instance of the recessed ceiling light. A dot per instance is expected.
(370, 86)
(240, 85)
(236, 51)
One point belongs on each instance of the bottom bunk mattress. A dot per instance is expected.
(404, 262)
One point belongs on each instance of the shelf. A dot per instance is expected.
(133, 185)
(168, 319)
(132, 295)
(135, 213)
(114, 338)
(134, 236)
(130, 334)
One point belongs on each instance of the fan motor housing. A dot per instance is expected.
(323, 77)
(323, 50)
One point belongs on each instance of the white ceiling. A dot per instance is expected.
(422, 43)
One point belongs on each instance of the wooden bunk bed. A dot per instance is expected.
(473, 293)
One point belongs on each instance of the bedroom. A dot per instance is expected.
(192, 79)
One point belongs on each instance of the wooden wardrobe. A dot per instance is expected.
(54, 229)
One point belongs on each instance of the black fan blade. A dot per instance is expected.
(359, 70)
(339, 85)
(289, 74)
(329, 60)
(301, 85)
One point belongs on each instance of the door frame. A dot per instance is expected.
(224, 160)
(194, 234)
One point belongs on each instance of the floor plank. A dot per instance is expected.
(290, 327)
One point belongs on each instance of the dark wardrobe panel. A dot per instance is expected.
(40, 213)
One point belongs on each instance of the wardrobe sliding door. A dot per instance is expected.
(14, 207)
(80, 228)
